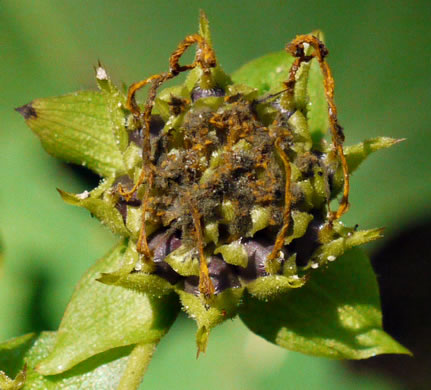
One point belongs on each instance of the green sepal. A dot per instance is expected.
(17, 383)
(301, 133)
(260, 218)
(132, 157)
(317, 106)
(215, 161)
(77, 129)
(209, 314)
(335, 248)
(115, 103)
(301, 97)
(101, 317)
(300, 223)
(307, 190)
(142, 282)
(267, 287)
(101, 204)
(134, 222)
(211, 232)
(126, 263)
(132, 274)
(227, 211)
(356, 154)
(12, 360)
(247, 92)
(184, 260)
(321, 189)
(336, 314)
(204, 27)
(233, 253)
(99, 372)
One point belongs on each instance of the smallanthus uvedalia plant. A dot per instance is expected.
(222, 191)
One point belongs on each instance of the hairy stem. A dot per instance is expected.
(137, 366)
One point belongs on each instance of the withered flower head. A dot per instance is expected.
(223, 191)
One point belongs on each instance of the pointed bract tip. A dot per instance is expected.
(202, 14)
(204, 28)
(27, 111)
(318, 34)
(101, 72)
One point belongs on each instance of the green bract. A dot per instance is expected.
(219, 189)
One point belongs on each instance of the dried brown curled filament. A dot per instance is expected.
(279, 242)
(206, 287)
(296, 48)
(142, 244)
(205, 58)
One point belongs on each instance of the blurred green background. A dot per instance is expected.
(381, 57)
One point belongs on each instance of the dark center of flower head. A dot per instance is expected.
(227, 175)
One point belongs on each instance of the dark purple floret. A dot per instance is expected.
(308, 243)
(222, 275)
(156, 126)
(258, 250)
(199, 93)
(162, 244)
(122, 209)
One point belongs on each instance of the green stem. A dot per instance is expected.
(137, 366)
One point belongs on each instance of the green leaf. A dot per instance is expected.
(115, 103)
(265, 73)
(76, 128)
(1, 257)
(100, 317)
(336, 314)
(100, 372)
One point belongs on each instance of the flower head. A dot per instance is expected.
(222, 188)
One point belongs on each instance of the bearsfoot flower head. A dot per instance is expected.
(222, 189)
